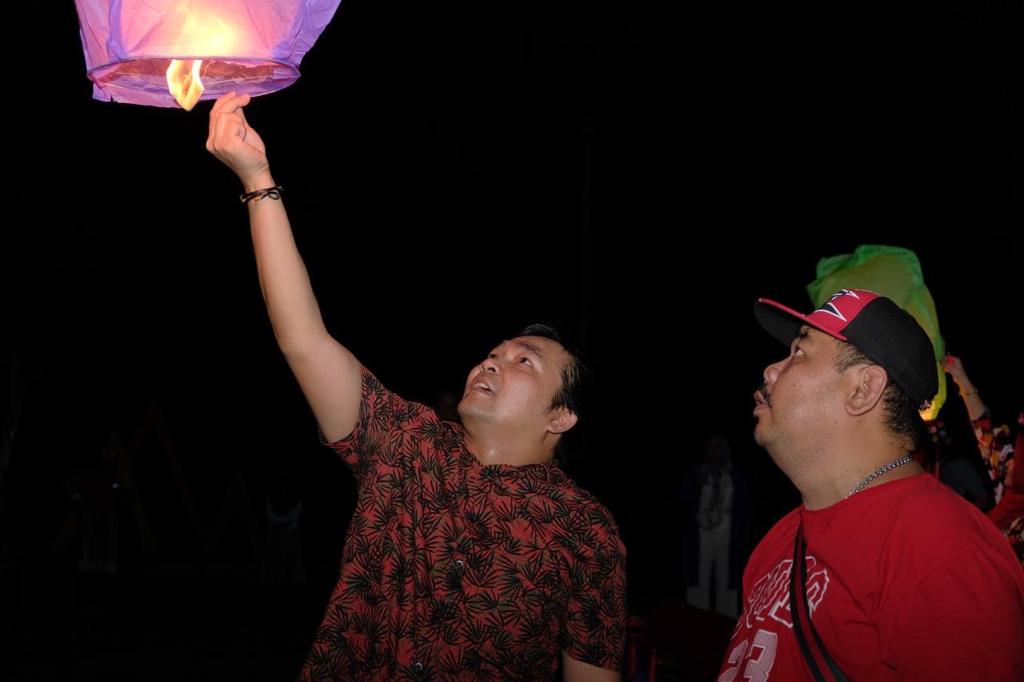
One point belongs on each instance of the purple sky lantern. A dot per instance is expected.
(175, 52)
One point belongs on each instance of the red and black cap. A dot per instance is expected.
(879, 328)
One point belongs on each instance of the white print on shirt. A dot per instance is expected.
(762, 658)
(769, 598)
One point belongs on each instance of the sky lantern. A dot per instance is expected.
(894, 272)
(168, 53)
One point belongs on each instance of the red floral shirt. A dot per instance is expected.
(457, 571)
(1004, 455)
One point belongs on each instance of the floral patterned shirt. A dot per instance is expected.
(1003, 454)
(453, 570)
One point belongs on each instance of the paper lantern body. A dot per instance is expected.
(247, 46)
(894, 272)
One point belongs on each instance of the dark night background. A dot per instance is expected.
(638, 172)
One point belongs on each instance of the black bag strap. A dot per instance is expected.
(800, 564)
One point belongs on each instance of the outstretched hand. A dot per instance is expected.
(236, 143)
(955, 368)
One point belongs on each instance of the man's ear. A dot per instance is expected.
(866, 385)
(562, 420)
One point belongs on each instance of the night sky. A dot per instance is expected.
(637, 172)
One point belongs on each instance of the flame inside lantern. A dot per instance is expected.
(184, 82)
(206, 34)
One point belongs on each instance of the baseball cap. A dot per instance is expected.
(879, 328)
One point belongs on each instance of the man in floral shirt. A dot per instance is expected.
(1003, 454)
(470, 555)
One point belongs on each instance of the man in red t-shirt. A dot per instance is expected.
(882, 573)
(470, 555)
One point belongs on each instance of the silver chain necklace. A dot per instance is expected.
(878, 472)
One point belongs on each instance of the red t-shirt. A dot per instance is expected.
(905, 581)
(453, 570)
